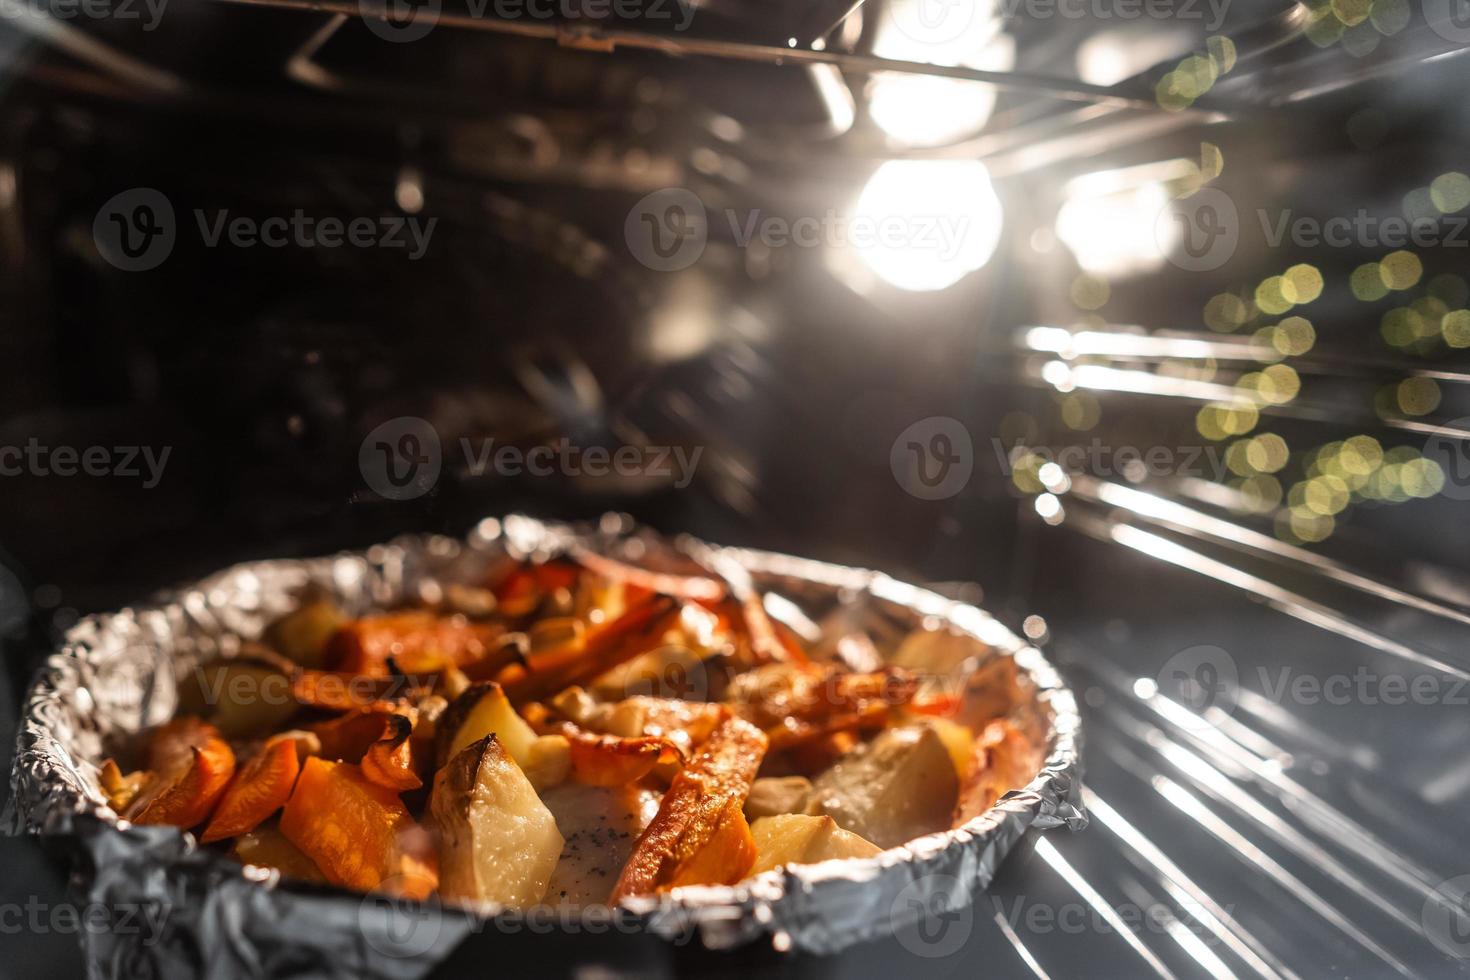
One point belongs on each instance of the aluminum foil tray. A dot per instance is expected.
(117, 673)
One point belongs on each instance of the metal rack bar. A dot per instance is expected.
(603, 40)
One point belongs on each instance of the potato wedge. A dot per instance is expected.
(776, 795)
(497, 841)
(483, 710)
(243, 697)
(600, 825)
(897, 787)
(795, 838)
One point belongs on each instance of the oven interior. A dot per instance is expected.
(1226, 495)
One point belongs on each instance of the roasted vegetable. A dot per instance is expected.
(302, 635)
(389, 761)
(260, 788)
(267, 847)
(1006, 760)
(418, 641)
(497, 841)
(358, 833)
(796, 838)
(184, 794)
(244, 697)
(483, 709)
(699, 835)
(897, 787)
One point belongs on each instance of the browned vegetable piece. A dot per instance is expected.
(899, 786)
(302, 635)
(605, 648)
(419, 641)
(247, 696)
(358, 833)
(260, 788)
(267, 847)
(389, 761)
(184, 794)
(698, 813)
(497, 840)
(1005, 760)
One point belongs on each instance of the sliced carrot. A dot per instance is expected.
(358, 833)
(726, 857)
(607, 760)
(188, 800)
(623, 639)
(348, 737)
(389, 761)
(171, 747)
(260, 788)
(690, 818)
(417, 640)
(334, 690)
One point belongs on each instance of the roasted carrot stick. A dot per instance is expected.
(260, 788)
(624, 638)
(673, 847)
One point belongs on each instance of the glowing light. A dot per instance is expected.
(1400, 270)
(1301, 284)
(1050, 508)
(1226, 312)
(1367, 284)
(1450, 192)
(925, 111)
(1293, 336)
(1418, 396)
(1271, 296)
(1109, 218)
(946, 215)
(1108, 57)
(1090, 292)
(1456, 328)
